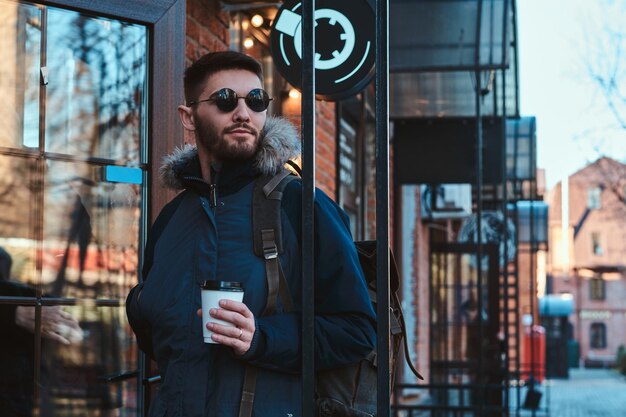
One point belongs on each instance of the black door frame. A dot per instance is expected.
(165, 21)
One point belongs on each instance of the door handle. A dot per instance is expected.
(152, 380)
(113, 378)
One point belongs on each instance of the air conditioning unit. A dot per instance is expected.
(446, 201)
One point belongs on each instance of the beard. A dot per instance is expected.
(220, 148)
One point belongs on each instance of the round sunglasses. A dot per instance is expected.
(226, 100)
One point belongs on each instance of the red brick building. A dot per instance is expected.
(590, 263)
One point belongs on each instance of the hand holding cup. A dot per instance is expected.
(226, 319)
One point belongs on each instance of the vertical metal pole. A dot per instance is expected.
(39, 215)
(382, 206)
(516, 55)
(532, 254)
(479, 205)
(308, 196)
(505, 211)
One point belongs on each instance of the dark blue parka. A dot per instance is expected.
(196, 238)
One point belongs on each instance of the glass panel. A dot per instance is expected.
(20, 43)
(73, 375)
(442, 34)
(95, 100)
(348, 157)
(18, 216)
(91, 233)
(459, 330)
(443, 94)
(521, 142)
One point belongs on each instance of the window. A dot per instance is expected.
(597, 289)
(73, 193)
(353, 132)
(596, 244)
(594, 198)
(597, 336)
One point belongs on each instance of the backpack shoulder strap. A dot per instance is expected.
(267, 229)
(268, 243)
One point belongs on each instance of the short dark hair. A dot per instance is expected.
(208, 64)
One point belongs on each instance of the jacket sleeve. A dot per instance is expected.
(141, 327)
(345, 323)
(8, 325)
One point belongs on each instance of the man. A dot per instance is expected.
(17, 350)
(205, 233)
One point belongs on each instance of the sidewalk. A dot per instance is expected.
(587, 393)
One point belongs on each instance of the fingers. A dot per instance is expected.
(241, 308)
(230, 332)
(242, 326)
(232, 317)
(50, 332)
(238, 339)
(59, 325)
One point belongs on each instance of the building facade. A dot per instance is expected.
(587, 256)
(92, 89)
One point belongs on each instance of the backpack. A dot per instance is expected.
(349, 391)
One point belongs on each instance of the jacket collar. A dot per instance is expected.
(279, 143)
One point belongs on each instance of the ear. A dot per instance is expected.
(186, 117)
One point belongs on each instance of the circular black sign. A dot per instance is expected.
(345, 50)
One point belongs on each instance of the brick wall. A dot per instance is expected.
(325, 147)
(608, 221)
(370, 215)
(207, 29)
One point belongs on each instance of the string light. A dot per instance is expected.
(257, 20)
(248, 43)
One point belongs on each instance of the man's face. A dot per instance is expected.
(230, 135)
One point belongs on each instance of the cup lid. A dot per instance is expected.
(222, 285)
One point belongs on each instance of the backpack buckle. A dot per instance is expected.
(270, 251)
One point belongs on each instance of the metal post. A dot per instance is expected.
(382, 206)
(505, 215)
(479, 205)
(308, 196)
(532, 272)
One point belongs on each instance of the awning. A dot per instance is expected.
(556, 305)
(433, 57)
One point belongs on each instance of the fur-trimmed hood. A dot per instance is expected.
(279, 143)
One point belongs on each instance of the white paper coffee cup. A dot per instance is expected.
(212, 293)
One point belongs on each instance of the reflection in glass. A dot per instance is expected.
(20, 43)
(73, 376)
(91, 233)
(18, 214)
(64, 230)
(17, 365)
(95, 98)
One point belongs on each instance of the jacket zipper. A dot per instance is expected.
(212, 195)
(212, 190)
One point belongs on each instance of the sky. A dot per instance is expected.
(556, 42)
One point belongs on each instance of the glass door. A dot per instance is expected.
(466, 352)
(72, 209)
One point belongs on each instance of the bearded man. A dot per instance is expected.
(205, 233)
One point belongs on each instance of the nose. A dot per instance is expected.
(241, 112)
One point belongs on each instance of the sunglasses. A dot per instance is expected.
(226, 100)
